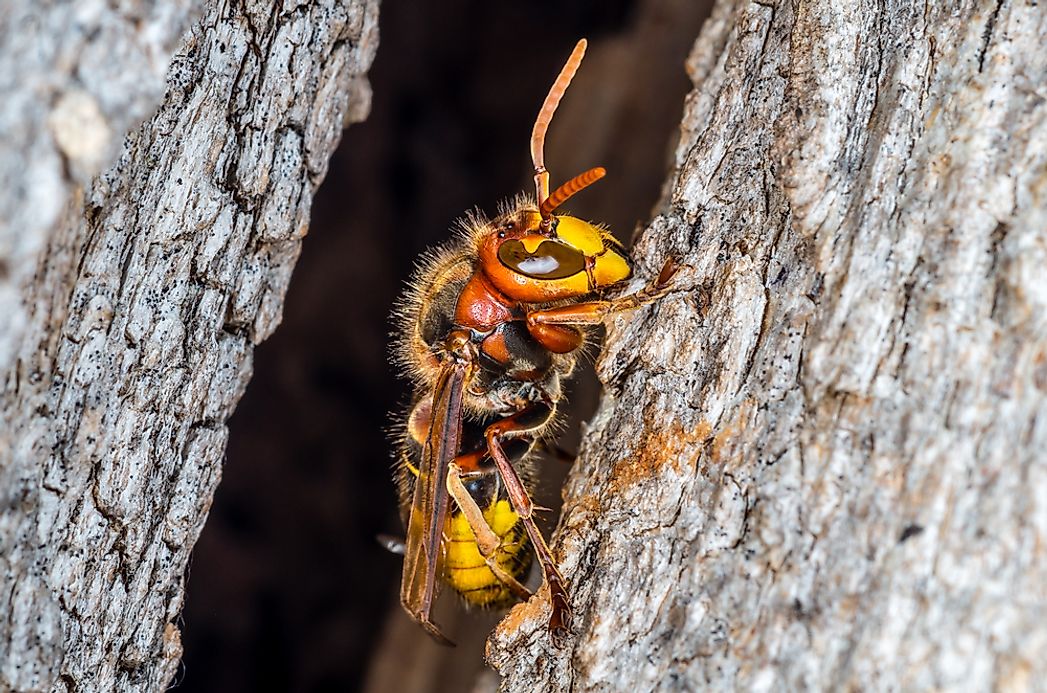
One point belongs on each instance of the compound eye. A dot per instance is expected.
(550, 260)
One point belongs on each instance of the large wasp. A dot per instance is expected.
(490, 327)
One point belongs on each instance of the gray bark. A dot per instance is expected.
(818, 463)
(141, 298)
(74, 77)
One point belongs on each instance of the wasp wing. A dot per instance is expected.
(430, 503)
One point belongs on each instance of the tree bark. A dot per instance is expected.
(818, 462)
(131, 309)
(74, 77)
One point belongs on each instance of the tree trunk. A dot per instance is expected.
(818, 462)
(72, 82)
(129, 311)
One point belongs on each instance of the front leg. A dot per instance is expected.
(594, 312)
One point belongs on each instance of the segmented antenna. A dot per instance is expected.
(568, 190)
(545, 116)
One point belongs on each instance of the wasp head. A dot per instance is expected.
(535, 260)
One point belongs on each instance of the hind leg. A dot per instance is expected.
(487, 541)
(530, 419)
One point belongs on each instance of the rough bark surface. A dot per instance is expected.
(143, 307)
(74, 77)
(818, 463)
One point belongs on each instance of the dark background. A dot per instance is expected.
(288, 589)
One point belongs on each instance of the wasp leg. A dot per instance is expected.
(486, 540)
(594, 312)
(521, 422)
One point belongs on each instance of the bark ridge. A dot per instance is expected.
(818, 463)
(141, 318)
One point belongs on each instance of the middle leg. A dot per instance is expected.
(523, 422)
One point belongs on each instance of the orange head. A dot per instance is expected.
(536, 255)
(572, 258)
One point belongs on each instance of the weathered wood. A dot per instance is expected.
(818, 463)
(74, 77)
(141, 314)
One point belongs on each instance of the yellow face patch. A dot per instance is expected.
(580, 234)
(531, 243)
(610, 265)
(611, 268)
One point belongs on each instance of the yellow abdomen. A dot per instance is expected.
(464, 568)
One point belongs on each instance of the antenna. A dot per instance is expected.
(541, 125)
(568, 190)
